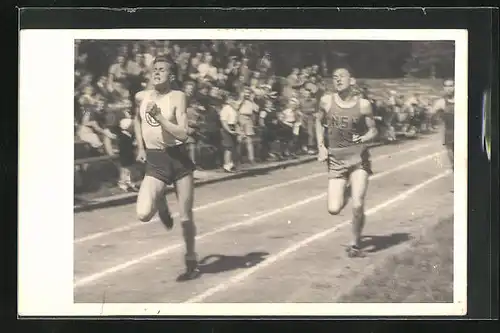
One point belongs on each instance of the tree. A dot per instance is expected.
(432, 58)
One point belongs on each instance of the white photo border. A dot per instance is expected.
(46, 167)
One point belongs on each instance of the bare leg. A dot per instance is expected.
(185, 196)
(359, 186)
(150, 192)
(336, 195)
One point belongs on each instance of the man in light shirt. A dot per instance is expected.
(229, 131)
(246, 112)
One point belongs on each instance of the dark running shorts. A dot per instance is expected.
(170, 164)
(342, 168)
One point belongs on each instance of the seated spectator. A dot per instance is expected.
(117, 73)
(150, 55)
(207, 71)
(292, 83)
(245, 69)
(312, 86)
(265, 63)
(92, 129)
(137, 73)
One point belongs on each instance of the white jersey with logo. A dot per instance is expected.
(154, 136)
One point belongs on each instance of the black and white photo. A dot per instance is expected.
(255, 172)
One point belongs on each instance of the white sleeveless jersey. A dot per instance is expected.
(154, 136)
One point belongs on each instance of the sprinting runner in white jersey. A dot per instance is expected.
(350, 125)
(161, 131)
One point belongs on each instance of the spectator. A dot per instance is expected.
(119, 121)
(292, 83)
(193, 116)
(137, 73)
(118, 75)
(229, 131)
(312, 86)
(268, 123)
(265, 63)
(309, 110)
(246, 113)
(290, 128)
(92, 129)
(245, 69)
(206, 69)
(150, 55)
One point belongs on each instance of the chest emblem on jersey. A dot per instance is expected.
(150, 120)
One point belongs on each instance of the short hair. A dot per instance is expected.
(163, 58)
(347, 67)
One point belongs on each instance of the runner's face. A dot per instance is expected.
(341, 79)
(449, 87)
(161, 72)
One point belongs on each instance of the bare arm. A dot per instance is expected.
(320, 130)
(137, 124)
(366, 110)
(87, 121)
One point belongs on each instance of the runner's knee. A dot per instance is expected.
(335, 207)
(357, 202)
(144, 210)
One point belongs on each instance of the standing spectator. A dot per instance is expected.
(268, 123)
(229, 131)
(246, 113)
(309, 109)
(119, 121)
(193, 117)
(290, 128)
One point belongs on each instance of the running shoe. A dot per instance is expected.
(354, 251)
(192, 271)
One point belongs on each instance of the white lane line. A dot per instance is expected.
(157, 253)
(237, 197)
(280, 255)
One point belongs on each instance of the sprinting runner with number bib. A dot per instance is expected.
(350, 125)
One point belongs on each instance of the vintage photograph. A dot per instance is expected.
(243, 172)
(264, 171)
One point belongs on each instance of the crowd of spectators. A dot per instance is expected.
(238, 108)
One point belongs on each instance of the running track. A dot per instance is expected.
(267, 238)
